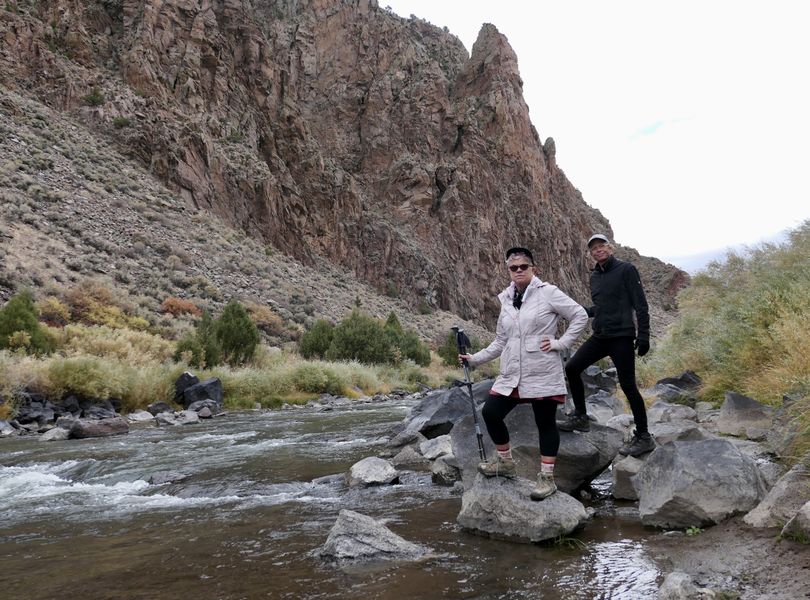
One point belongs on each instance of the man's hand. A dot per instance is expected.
(643, 346)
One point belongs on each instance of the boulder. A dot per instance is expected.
(672, 431)
(623, 471)
(359, 538)
(200, 405)
(93, 408)
(781, 437)
(501, 508)
(6, 429)
(602, 406)
(680, 586)
(55, 434)
(742, 416)
(185, 381)
(596, 380)
(444, 470)
(436, 447)
(210, 389)
(34, 408)
(181, 417)
(372, 471)
(159, 407)
(436, 414)
(409, 458)
(581, 457)
(688, 381)
(784, 500)
(92, 428)
(664, 412)
(798, 528)
(692, 483)
(140, 416)
(162, 477)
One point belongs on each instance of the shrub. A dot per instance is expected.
(317, 379)
(53, 311)
(178, 306)
(126, 345)
(362, 338)
(448, 351)
(236, 333)
(93, 303)
(405, 343)
(19, 315)
(265, 319)
(315, 342)
(121, 122)
(94, 98)
(201, 348)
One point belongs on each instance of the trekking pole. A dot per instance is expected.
(463, 342)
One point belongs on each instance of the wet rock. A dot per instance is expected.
(372, 471)
(140, 416)
(680, 586)
(159, 407)
(784, 500)
(405, 438)
(6, 429)
(205, 413)
(581, 457)
(409, 458)
(436, 414)
(690, 483)
(185, 381)
(671, 431)
(210, 389)
(162, 477)
(359, 538)
(501, 508)
(93, 428)
(742, 416)
(433, 449)
(175, 419)
(55, 434)
(444, 471)
(93, 408)
(798, 528)
(211, 406)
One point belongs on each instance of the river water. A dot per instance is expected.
(253, 494)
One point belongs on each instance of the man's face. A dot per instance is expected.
(600, 251)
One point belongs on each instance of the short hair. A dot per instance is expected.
(517, 250)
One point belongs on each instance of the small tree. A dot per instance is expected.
(362, 338)
(315, 342)
(236, 333)
(449, 350)
(406, 341)
(20, 315)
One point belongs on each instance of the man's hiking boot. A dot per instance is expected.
(498, 467)
(639, 444)
(544, 488)
(575, 422)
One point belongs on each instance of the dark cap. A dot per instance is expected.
(598, 237)
(519, 250)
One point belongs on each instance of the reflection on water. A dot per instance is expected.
(249, 497)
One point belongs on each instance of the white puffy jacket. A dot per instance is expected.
(535, 373)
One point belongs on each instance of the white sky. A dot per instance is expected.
(687, 124)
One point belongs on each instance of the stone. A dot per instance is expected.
(784, 499)
(55, 434)
(444, 472)
(436, 414)
(671, 431)
(372, 471)
(210, 389)
(798, 528)
(501, 508)
(185, 381)
(623, 471)
(740, 415)
(663, 412)
(359, 538)
(436, 447)
(92, 428)
(409, 458)
(159, 407)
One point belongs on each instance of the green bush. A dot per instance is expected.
(362, 338)
(317, 379)
(20, 315)
(315, 342)
(236, 333)
(405, 343)
(449, 350)
(201, 348)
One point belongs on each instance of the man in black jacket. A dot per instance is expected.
(616, 293)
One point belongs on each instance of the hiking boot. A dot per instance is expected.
(639, 444)
(575, 422)
(544, 488)
(498, 467)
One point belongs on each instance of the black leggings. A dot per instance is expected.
(545, 416)
(621, 352)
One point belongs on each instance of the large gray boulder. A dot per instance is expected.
(680, 586)
(623, 471)
(210, 389)
(93, 428)
(784, 500)
(665, 412)
(672, 431)
(691, 483)
(436, 414)
(501, 508)
(742, 416)
(359, 538)
(371, 471)
(581, 457)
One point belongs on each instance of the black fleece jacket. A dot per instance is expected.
(616, 292)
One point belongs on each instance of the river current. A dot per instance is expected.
(233, 508)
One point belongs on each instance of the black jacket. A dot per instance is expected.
(616, 292)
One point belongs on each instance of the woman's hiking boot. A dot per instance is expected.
(575, 422)
(544, 488)
(639, 444)
(498, 467)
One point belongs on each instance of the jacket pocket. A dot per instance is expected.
(531, 343)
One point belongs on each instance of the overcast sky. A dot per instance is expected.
(687, 124)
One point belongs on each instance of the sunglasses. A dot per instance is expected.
(516, 268)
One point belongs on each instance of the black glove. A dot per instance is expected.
(643, 346)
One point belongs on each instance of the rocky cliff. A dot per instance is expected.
(330, 129)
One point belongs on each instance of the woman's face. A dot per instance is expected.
(521, 269)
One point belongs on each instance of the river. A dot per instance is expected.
(251, 495)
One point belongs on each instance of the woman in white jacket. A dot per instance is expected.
(531, 369)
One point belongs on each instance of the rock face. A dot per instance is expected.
(328, 128)
(784, 500)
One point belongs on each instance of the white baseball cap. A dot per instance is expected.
(598, 237)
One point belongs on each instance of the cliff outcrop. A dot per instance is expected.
(330, 129)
